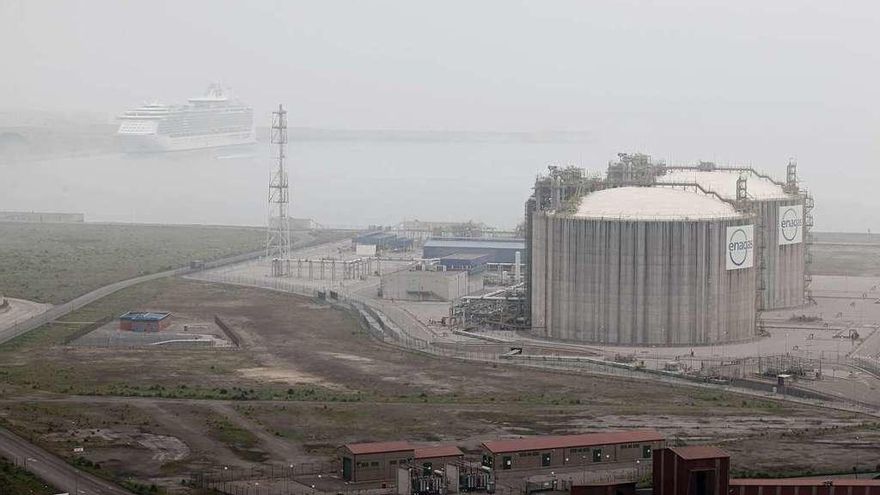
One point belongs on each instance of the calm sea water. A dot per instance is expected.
(361, 181)
(341, 183)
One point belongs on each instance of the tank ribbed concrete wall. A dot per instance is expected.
(783, 271)
(638, 282)
(782, 276)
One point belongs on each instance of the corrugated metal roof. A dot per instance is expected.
(517, 244)
(378, 447)
(699, 452)
(438, 451)
(804, 482)
(568, 441)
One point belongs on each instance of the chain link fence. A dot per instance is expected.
(393, 325)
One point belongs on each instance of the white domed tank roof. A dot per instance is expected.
(723, 182)
(653, 203)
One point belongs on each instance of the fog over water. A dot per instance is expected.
(339, 183)
(746, 82)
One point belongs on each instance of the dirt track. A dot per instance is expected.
(291, 343)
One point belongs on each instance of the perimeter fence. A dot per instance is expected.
(393, 325)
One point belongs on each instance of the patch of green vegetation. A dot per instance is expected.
(142, 488)
(715, 398)
(242, 442)
(88, 465)
(298, 393)
(17, 481)
(54, 263)
(124, 481)
(69, 423)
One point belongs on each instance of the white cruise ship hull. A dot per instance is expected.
(208, 121)
(154, 143)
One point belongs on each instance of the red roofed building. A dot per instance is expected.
(431, 458)
(571, 450)
(376, 461)
(696, 470)
(379, 461)
(704, 470)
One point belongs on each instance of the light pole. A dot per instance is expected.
(287, 479)
(856, 467)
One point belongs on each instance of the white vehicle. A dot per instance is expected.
(215, 119)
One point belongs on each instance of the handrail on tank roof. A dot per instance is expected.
(734, 168)
(702, 189)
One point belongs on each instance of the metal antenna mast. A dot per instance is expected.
(278, 238)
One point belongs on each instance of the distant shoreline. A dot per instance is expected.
(320, 134)
(44, 143)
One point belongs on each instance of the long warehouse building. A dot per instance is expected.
(571, 450)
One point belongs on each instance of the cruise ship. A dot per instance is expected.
(215, 119)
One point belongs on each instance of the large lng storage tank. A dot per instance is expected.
(644, 265)
(780, 249)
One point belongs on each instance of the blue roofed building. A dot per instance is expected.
(144, 321)
(499, 250)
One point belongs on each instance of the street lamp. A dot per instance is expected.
(856, 467)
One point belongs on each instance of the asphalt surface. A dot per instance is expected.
(20, 310)
(53, 469)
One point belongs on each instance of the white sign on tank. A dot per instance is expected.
(740, 246)
(791, 224)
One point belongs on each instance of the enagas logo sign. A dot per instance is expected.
(791, 224)
(740, 246)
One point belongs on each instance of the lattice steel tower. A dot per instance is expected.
(278, 238)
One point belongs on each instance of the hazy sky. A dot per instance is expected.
(737, 81)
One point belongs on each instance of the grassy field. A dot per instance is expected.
(54, 263)
(39, 361)
(17, 481)
(308, 379)
(849, 254)
(848, 260)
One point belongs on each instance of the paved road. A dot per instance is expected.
(53, 469)
(20, 310)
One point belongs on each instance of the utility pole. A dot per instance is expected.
(278, 237)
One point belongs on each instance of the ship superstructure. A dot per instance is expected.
(215, 119)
